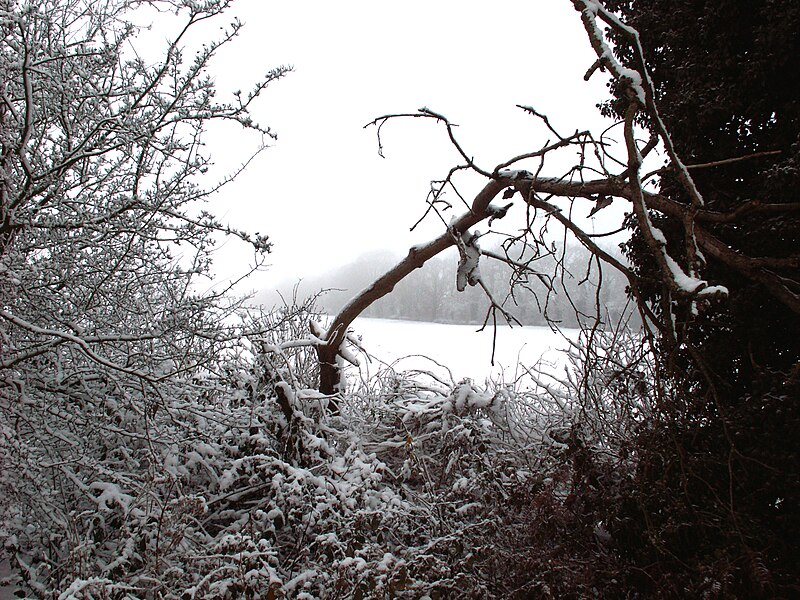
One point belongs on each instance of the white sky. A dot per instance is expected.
(321, 192)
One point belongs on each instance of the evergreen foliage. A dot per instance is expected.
(727, 78)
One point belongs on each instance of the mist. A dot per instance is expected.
(429, 293)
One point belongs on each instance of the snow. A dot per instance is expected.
(77, 587)
(464, 398)
(658, 235)
(110, 494)
(466, 508)
(714, 290)
(275, 513)
(686, 283)
(347, 355)
(304, 576)
(496, 211)
(386, 562)
(469, 264)
(682, 280)
(592, 9)
(359, 563)
(458, 352)
(513, 173)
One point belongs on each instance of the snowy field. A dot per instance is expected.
(459, 349)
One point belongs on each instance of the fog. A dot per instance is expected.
(429, 294)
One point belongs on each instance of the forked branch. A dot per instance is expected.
(545, 198)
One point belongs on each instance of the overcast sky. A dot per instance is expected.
(322, 192)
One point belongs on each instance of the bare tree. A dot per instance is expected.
(603, 172)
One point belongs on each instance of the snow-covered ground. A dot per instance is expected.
(461, 348)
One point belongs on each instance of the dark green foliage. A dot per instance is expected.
(715, 502)
(728, 80)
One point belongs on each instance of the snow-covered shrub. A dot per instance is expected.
(111, 363)
(503, 477)
(245, 485)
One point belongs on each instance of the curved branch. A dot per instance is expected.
(416, 257)
(80, 342)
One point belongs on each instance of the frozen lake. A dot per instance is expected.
(461, 348)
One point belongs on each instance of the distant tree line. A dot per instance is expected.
(430, 294)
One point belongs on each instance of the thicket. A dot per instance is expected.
(156, 442)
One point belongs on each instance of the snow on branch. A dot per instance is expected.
(469, 252)
(638, 87)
